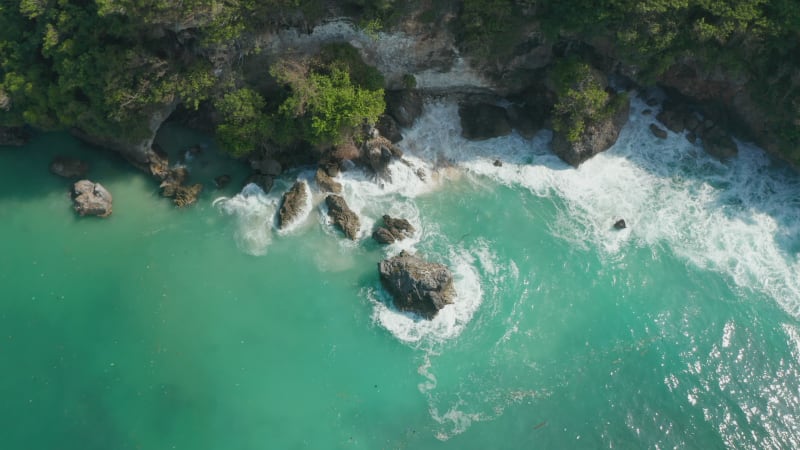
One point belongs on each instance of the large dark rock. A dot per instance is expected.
(393, 230)
(91, 199)
(267, 166)
(597, 137)
(326, 183)
(69, 167)
(405, 106)
(530, 110)
(292, 203)
(377, 152)
(342, 216)
(261, 180)
(482, 121)
(417, 285)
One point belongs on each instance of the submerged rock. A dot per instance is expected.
(69, 167)
(342, 216)
(186, 195)
(91, 199)
(221, 181)
(393, 230)
(657, 131)
(13, 136)
(417, 285)
(292, 203)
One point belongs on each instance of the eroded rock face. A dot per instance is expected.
(482, 121)
(342, 216)
(69, 167)
(680, 117)
(326, 183)
(417, 285)
(292, 204)
(393, 230)
(597, 137)
(378, 152)
(91, 199)
(404, 106)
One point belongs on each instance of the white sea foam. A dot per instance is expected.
(450, 321)
(254, 212)
(740, 218)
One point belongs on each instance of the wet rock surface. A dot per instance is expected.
(292, 204)
(481, 121)
(91, 199)
(342, 216)
(393, 229)
(417, 285)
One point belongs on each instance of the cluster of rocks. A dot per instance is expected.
(393, 229)
(680, 117)
(265, 170)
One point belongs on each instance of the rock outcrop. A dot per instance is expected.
(377, 152)
(482, 121)
(261, 180)
(326, 183)
(91, 199)
(173, 186)
(417, 285)
(393, 230)
(292, 204)
(342, 216)
(69, 167)
(597, 137)
(679, 117)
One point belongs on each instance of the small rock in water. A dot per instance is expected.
(498, 163)
(91, 199)
(222, 181)
(342, 216)
(620, 224)
(69, 167)
(393, 230)
(292, 203)
(657, 131)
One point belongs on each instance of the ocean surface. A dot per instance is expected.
(206, 328)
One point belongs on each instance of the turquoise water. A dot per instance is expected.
(205, 328)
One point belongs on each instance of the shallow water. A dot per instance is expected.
(205, 328)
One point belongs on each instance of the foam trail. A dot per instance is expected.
(254, 212)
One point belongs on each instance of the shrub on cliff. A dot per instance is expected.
(581, 97)
(325, 106)
(244, 123)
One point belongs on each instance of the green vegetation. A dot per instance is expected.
(755, 39)
(244, 124)
(326, 100)
(581, 98)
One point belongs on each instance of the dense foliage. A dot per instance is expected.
(581, 97)
(756, 40)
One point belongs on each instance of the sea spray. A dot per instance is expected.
(254, 213)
